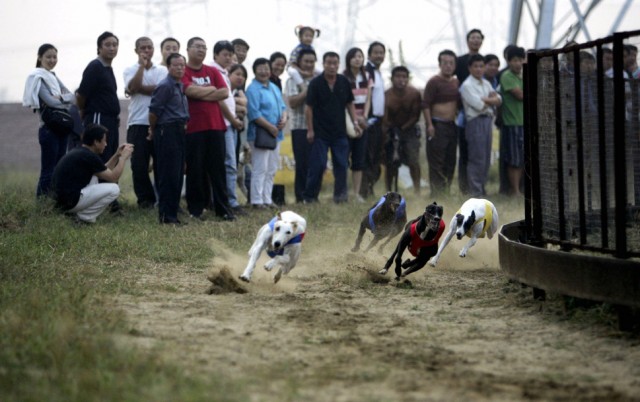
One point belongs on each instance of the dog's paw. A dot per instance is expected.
(383, 271)
(244, 278)
(277, 277)
(269, 265)
(462, 253)
(355, 249)
(432, 262)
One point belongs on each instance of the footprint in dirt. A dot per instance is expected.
(223, 282)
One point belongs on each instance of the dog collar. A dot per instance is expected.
(294, 240)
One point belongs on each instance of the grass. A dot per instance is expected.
(57, 328)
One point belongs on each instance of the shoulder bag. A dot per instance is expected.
(264, 139)
(351, 130)
(59, 121)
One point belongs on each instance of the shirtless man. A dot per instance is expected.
(440, 105)
(401, 114)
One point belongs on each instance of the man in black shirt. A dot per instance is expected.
(97, 96)
(327, 97)
(75, 178)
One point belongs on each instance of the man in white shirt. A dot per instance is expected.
(222, 60)
(140, 80)
(479, 100)
(371, 172)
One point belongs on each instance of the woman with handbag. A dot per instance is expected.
(361, 85)
(267, 118)
(45, 92)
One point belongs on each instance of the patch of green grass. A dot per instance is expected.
(57, 327)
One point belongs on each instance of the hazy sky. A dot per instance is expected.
(423, 27)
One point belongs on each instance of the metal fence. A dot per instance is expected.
(582, 183)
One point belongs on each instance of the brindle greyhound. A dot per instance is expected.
(385, 218)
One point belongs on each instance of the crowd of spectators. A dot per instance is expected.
(194, 117)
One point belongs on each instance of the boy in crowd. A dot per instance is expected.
(511, 86)
(479, 100)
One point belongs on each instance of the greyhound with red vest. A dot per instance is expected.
(421, 237)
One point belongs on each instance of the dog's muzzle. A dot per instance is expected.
(433, 222)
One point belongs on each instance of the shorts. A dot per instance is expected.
(408, 148)
(513, 152)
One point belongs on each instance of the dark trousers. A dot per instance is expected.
(441, 156)
(318, 163)
(52, 149)
(462, 161)
(112, 123)
(169, 147)
(373, 158)
(206, 174)
(301, 153)
(143, 152)
(505, 186)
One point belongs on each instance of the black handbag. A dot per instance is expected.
(264, 139)
(59, 121)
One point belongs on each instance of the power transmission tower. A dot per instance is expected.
(157, 13)
(542, 14)
(459, 21)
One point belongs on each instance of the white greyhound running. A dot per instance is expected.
(282, 238)
(476, 218)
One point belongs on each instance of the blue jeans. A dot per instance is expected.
(318, 163)
(231, 165)
(53, 147)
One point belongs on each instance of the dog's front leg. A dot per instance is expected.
(287, 261)
(390, 236)
(398, 262)
(255, 251)
(470, 243)
(404, 241)
(375, 241)
(452, 231)
(420, 261)
(384, 270)
(363, 228)
(251, 265)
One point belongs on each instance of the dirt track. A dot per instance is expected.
(327, 332)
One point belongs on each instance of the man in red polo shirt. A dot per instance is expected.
(205, 143)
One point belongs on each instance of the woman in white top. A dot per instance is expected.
(44, 89)
(361, 85)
